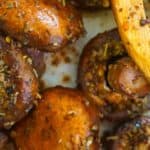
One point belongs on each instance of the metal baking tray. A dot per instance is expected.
(61, 68)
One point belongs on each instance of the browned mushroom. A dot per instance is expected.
(43, 24)
(64, 119)
(133, 135)
(111, 79)
(18, 84)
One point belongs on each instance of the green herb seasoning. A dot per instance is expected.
(8, 93)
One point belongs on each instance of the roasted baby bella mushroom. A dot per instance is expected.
(18, 85)
(134, 135)
(44, 24)
(111, 79)
(62, 120)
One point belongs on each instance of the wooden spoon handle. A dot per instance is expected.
(135, 36)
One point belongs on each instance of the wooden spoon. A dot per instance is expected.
(130, 17)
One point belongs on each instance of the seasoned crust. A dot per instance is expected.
(18, 85)
(34, 56)
(93, 63)
(47, 25)
(99, 73)
(133, 135)
(63, 119)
